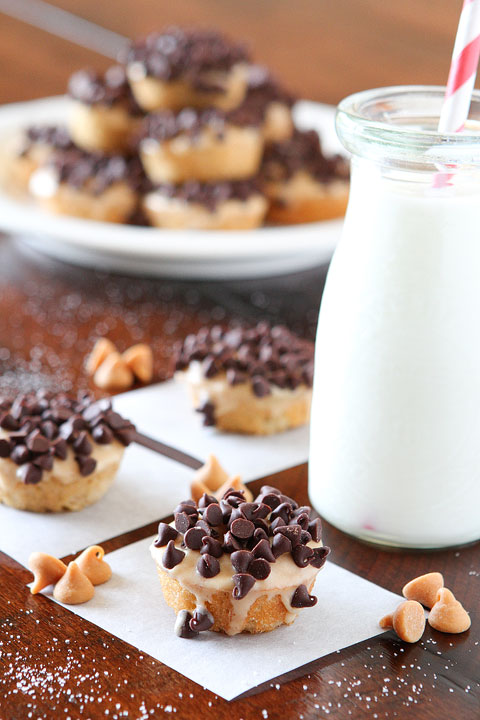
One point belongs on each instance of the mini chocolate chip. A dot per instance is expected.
(60, 448)
(165, 534)
(305, 537)
(281, 545)
(18, 438)
(235, 377)
(289, 501)
(232, 493)
(49, 429)
(202, 619)
(207, 500)
(242, 528)
(182, 626)
(292, 532)
(319, 556)
(95, 409)
(186, 506)
(5, 447)
(284, 511)
(243, 583)
(36, 442)
(30, 474)
(172, 556)
(126, 435)
(209, 367)
(267, 489)
(236, 514)
(184, 522)
(304, 509)
(269, 499)
(302, 599)
(208, 566)
(82, 444)
(260, 386)
(231, 543)
(254, 511)
(66, 431)
(211, 546)
(20, 454)
(302, 520)
(278, 522)
(315, 529)
(86, 464)
(208, 411)
(259, 568)
(193, 538)
(261, 525)
(8, 422)
(260, 534)
(226, 510)
(213, 515)
(302, 554)
(45, 461)
(263, 550)
(241, 560)
(203, 525)
(102, 434)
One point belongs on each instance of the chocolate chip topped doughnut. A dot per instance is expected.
(206, 145)
(253, 380)
(302, 183)
(231, 204)
(269, 103)
(178, 68)
(89, 185)
(58, 452)
(104, 116)
(234, 566)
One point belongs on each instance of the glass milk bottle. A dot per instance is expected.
(395, 429)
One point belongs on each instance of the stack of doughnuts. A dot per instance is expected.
(185, 133)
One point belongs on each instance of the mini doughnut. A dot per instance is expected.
(59, 453)
(74, 587)
(92, 564)
(269, 104)
(233, 205)
(301, 183)
(206, 145)
(104, 116)
(249, 380)
(180, 68)
(46, 569)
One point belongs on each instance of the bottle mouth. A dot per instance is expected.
(399, 125)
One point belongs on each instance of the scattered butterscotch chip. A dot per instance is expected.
(408, 621)
(113, 373)
(447, 614)
(424, 588)
(47, 570)
(102, 348)
(139, 359)
(92, 564)
(74, 587)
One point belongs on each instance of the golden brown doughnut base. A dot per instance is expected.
(101, 128)
(115, 204)
(229, 215)
(267, 612)
(309, 210)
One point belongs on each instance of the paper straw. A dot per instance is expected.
(463, 70)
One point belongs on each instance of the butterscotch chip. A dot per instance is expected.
(447, 614)
(408, 621)
(92, 564)
(102, 348)
(74, 587)
(113, 374)
(46, 569)
(211, 474)
(424, 588)
(139, 359)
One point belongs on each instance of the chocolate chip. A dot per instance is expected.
(305, 537)
(115, 420)
(95, 409)
(261, 525)
(184, 522)
(231, 543)
(315, 529)
(243, 583)
(126, 435)
(165, 534)
(241, 560)
(20, 454)
(213, 515)
(36, 442)
(235, 377)
(263, 550)
(186, 506)
(281, 545)
(284, 511)
(260, 534)
(5, 448)
(30, 474)
(172, 556)
(278, 522)
(203, 525)
(302, 554)
(182, 626)
(302, 520)
(66, 431)
(102, 434)
(209, 368)
(302, 599)
(82, 444)
(208, 411)
(242, 528)
(8, 422)
(208, 566)
(319, 556)
(292, 532)
(193, 538)
(259, 568)
(211, 546)
(202, 619)
(260, 386)
(60, 449)
(226, 509)
(45, 461)
(86, 464)
(49, 429)
(207, 500)
(254, 511)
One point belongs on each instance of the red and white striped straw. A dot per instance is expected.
(463, 70)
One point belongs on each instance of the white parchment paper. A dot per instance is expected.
(131, 606)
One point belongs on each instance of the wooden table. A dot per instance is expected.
(55, 665)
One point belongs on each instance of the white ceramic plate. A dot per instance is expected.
(174, 253)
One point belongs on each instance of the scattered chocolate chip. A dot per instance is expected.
(86, 464)
(226, 509)
(30, 474)
(172, 556)
(203, 525)
(36, 442)
(259, 568)
(82, 444)
(315, 529)
(305, 537)
(193, 538)
(302, 520)
(208, 566)
(260, 386)
(186, 506)
(49, 429)
(231, 543)
(302, 554)
(213, 515)
(302, 599)
(8, 422)
(281, 545)
(20, 454)
(182, 626)
(243, 583)
(202, 619)
(284, 511)
(207, 500)
(259, 534)
(278, 522)
(165, 534)
(319, 556)
(241, 560)
(254, 511)
(242, 529)
(292, 532)
(184, 522)
(44, 462)
(211, 546)
(263, 550)
(102, 434)
(60, 448)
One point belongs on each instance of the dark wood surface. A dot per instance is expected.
(55, 665)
